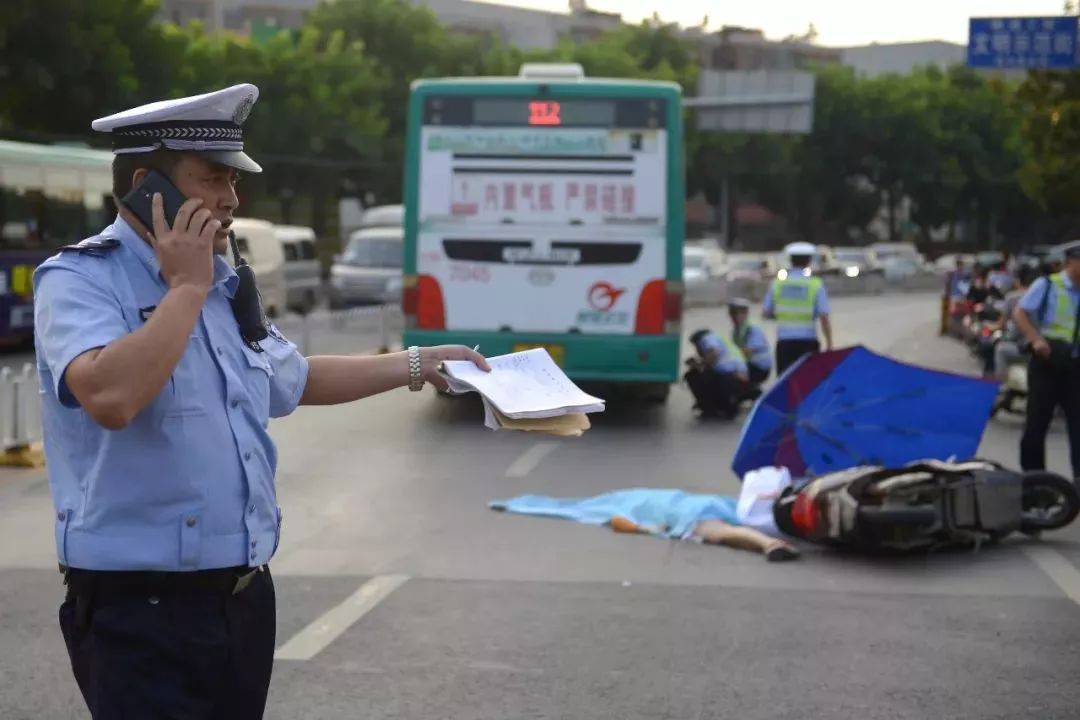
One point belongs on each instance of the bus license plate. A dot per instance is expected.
(557, 352)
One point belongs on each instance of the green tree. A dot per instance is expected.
(1049, 138)
(65, 62)
(318, 122)
(404, 43)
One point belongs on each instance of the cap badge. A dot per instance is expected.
(243, 109)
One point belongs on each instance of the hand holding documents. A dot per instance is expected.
(525, 391)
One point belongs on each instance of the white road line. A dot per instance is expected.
(1061, 571)
(313, 639)
(530, 459)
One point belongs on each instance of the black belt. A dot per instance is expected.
(231, 580)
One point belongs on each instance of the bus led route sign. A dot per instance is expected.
(543, 112)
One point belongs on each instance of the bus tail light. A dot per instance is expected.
(673, 307)
(650, 309)
(659, 310)
(422, 303)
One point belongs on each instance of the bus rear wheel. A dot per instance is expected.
(656, 393)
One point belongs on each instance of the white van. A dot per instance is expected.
(303, 274)
(369, 271)
(262, 251)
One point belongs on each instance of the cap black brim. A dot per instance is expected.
(233, 158)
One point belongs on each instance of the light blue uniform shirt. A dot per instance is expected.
(1032, 301)
(821, 307)
(726, 361)
(757, 346)
(189, 483)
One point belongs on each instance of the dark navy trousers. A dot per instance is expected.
(147, 650)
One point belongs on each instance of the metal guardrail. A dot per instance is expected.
(372, 328)
(718, 291)
(20, 417)
(378, 328)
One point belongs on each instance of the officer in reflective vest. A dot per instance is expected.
(718, 377)
(751, 340)
(1048, 316)
(797, 301)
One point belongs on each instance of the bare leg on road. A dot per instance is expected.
(718, 532)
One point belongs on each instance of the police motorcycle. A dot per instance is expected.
(925, 506)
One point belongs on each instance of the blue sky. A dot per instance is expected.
(839, 22)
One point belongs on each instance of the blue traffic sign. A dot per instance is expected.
(1027, 43)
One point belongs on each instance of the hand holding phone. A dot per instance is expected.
(180, 230)
(186, 250)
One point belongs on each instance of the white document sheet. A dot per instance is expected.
(522, 385)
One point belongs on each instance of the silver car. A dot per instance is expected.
(369, 269)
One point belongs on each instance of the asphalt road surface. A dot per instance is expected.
(402, 596)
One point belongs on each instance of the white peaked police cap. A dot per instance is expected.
(209, 124)
(800, 249)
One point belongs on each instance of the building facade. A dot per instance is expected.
(736, 48)
(902, 58)
(528, 29)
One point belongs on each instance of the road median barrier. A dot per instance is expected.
(719, 290)
(20, 418)
(373, 329)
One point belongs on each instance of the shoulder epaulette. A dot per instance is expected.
(93, 246)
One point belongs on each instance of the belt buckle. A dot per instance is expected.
(244, 580)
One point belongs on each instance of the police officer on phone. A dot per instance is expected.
(1048, 317)
(157, 391)
(797, 300)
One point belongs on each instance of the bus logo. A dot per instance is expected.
(603, 296)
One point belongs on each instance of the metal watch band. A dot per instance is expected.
(416, 379)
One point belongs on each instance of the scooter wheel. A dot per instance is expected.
(1049, 502)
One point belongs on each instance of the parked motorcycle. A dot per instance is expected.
(1013, 392)
(959, 309)
(980, 324)
(925, 506)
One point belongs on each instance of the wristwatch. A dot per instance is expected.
(416, 378)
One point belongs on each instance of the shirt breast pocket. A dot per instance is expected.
(258, 374)
(191, 380)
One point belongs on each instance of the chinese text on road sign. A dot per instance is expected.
(1046, 43)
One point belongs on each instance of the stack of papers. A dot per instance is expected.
(525, 391)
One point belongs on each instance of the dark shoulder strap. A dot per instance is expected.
(98, 245)
(1045, 301)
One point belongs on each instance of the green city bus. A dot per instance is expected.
(546, 210)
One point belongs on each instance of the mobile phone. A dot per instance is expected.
(140, 201)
